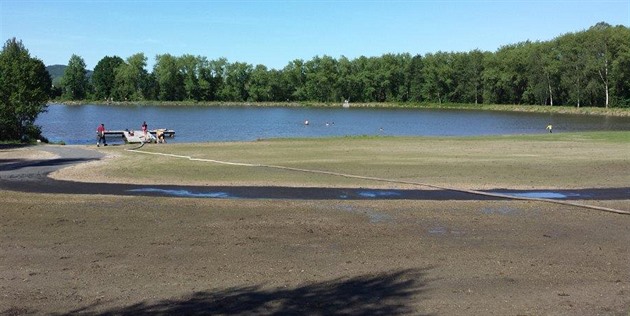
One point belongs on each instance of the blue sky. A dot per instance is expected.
(274, 32)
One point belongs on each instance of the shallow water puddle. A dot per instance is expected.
(378, 194)
(185, 193)
(541, 194)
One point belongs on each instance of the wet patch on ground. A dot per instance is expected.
(374, 217)
(502, 210)
(440, 230)
(42, 184)
(185, 193)
(542, 194)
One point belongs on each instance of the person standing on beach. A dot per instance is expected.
(145, 131)
(100, 135)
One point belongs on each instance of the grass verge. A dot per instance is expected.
(572, 160)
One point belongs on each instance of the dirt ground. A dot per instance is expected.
(123, 255)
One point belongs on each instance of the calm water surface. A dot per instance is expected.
(77, 124)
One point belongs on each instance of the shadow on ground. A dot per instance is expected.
(17, 164)
(395, 293)
(13, 146)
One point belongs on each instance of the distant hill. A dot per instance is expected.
(57, 71)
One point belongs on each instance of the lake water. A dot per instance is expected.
(77, 124)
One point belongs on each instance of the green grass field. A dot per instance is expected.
(572, 160)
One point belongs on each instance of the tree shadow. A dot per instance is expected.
(17, 164)
(394, 293)
(13, 146)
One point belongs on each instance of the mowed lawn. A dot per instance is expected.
(575, 160)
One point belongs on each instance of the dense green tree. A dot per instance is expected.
(438, 78)
(216, 75)
(600, 57)
(235, 82)
(104, 76)
(259, 85)
(206, 81)
(131, 79)
(393, 80)
(416, 78)
(74, 80)
(170, 80)
(364, 80)
(24, 90)
(294, 77)
(321, 77)
(346, 88)
(469, 68)
(542, 73)
(621, 73)
(189, 67)
(505, 76)
(572, 68)
(278, 89)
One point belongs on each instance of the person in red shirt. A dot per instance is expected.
(100, 135)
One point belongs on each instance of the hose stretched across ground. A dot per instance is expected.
(490, 194)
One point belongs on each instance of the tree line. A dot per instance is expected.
(587, 68)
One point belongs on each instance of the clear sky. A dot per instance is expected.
(275, 32)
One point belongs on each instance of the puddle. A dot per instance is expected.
(378, 194)
(542, 194)
(185, 193)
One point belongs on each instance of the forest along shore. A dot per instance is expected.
(622, 112)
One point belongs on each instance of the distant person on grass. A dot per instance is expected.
(100, 135)
(145, 131)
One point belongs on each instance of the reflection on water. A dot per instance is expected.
(77, 124)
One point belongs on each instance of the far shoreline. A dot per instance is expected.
(599, 111)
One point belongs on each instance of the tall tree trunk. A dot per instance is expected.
(604, 76)
(577, 69)
(550, 91)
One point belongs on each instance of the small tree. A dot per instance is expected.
(75, 80)
(24, 90)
